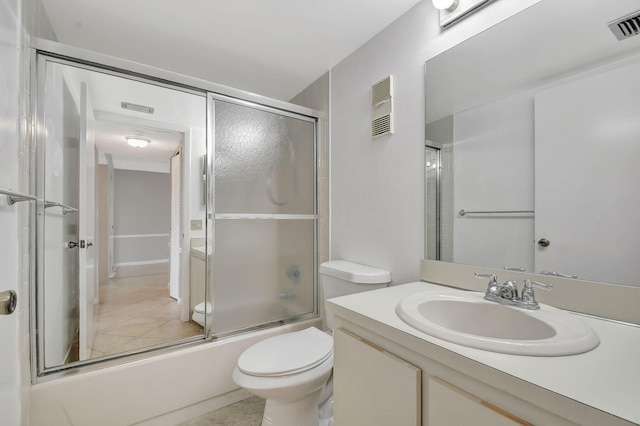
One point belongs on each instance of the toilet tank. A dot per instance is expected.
(340, 277)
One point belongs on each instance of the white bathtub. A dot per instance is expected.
(160, 390)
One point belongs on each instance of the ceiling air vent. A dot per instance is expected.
(382, 102)
(626, 26)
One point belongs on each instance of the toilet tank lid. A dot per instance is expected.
(355, 272)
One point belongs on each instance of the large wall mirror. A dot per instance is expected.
(533, 139)
(120, 179)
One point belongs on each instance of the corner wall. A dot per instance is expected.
(377, 186)
(19, 19)
(14, 347)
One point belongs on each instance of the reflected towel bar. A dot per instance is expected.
(65, 209)
(16, 197)
(464, 212)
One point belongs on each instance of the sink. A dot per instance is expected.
(467, 319)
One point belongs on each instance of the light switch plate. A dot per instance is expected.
(196, 225)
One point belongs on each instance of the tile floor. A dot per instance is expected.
(243, 413)
(135, 311)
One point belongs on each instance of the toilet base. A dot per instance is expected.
(303, 412)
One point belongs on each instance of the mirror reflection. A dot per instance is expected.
(531, 151)
(122, 224)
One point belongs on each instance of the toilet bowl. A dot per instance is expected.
(201, 312)
(292, 371)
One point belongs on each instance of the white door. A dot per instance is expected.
(176, 230)
(587, 145)
(88, 272)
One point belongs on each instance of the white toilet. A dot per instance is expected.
(201, 312)
(291, 371)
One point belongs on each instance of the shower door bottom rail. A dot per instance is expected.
(263, 216)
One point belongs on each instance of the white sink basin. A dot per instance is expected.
(467, 319)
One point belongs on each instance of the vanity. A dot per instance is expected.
(387, 372)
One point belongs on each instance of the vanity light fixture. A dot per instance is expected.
(137, 141)
(449, 5)
(452, 11)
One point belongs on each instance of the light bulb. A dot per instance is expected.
(449, 5)
(137, 142)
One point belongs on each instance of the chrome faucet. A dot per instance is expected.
(507, 293)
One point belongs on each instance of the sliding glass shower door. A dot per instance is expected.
(263, 264)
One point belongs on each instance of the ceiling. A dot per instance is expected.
(274, 48)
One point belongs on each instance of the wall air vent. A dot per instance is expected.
(135, 107)
(382, 103)
(382, 126)
(626, 27)
(382, 90)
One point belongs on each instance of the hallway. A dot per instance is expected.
(135, 311)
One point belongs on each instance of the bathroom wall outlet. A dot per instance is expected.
(196, 225)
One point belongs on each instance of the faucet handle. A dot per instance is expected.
(528, 297)
(492, 287)
(493, 279)
(530, 283)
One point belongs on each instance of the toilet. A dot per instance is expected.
(201, 312)
(292, 371)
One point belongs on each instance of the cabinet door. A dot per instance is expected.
(371, 386)
(449, 405)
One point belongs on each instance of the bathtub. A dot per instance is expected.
(159, 390)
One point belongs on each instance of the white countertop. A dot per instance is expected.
(606, 378)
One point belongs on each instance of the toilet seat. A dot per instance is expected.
(199, 308)
(286, 354)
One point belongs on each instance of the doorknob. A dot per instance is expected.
(543, 242)
(8, 302)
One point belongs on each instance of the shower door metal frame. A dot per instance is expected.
(40, 59)
(212, 216)
(104, 63)
(438, 200)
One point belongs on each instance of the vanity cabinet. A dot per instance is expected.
(197, 277)
(449, 405)
(376, 357)
(374, 387)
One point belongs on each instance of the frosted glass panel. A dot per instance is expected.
(264, 162)
(263, 271)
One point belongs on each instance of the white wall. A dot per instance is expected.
(197, 147)
(12, 348)
(141, 234)
(18, 19)
(377, 186)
